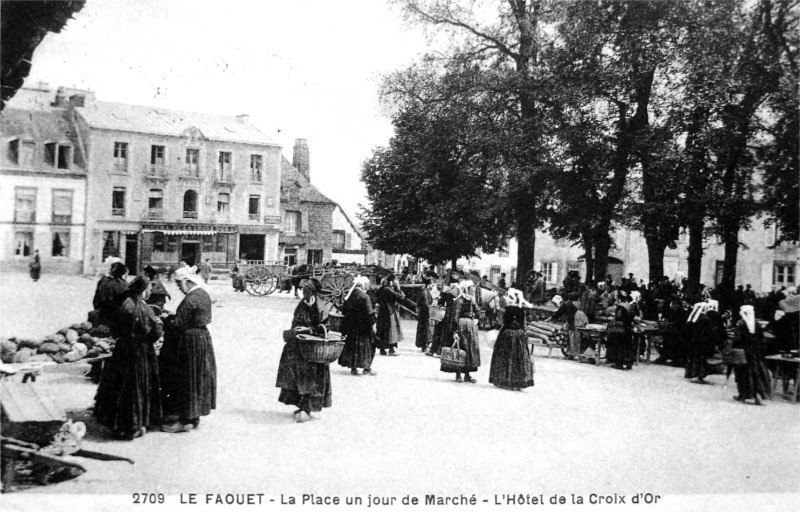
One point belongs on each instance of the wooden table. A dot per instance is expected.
(782, 372)
(598, 339)
(644, 334)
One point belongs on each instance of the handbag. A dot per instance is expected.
(288, 335)
(453, 359)
(734, 356)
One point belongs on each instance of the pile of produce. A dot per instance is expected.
(70, 344)
(545, 333)
(541, 313)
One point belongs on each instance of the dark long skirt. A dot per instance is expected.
(36, 272)
(388, 327)
(306, 385)
(359, 350)
(468, 341)
(423, 333)
(128, 397)
(753, 379)
(189, 374)
(620, 346)
(511, 361)
(443, 331)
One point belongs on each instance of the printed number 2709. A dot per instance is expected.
(148, 498)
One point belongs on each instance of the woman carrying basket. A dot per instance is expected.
(306, 385)
(467, 333)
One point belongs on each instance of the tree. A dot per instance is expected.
(509, 46)
(609, 53)
(435, 190)
(750, 74)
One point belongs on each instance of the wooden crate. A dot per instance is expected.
(27, 414)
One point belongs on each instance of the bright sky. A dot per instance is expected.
(301, 69)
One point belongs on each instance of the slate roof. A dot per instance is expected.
(40, 126)
(162, 121)
(37, 125)
(308, 192)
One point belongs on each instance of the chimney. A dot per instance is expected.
(60, 99)
(77, 100)
(243, 118)
(300, 159)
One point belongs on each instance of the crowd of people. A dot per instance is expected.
(162, 371)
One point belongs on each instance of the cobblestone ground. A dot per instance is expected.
(412, 430)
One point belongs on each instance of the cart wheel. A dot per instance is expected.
(258, 281)
(335, 286)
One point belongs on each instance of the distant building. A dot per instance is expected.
(43, 184)
(307, 215)
(759, 263)
(163, 185)
(349, 243)
(168, 186)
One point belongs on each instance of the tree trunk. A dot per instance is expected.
(526, 243)
(602, 246)
(655, 256)
(695, 250)
(731, 240)
(454, 264)
(588, 257)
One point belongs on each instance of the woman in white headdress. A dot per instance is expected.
(443, 331)
(465, 312)
(358, 325)
(701, 343)
(752, 378)
(511, 366)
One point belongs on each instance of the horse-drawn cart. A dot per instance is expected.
(261, 278)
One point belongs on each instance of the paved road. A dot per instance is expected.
(412, 430)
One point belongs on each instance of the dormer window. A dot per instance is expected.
(13, 151)
(294, 194)
(20, 152)
(57, 155)
(64, 156)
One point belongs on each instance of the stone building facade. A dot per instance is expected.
(307, 215)
(166, 186)
(43, 184)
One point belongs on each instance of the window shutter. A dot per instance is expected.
(769, 234)
(348, 239)
(766, 277)
(555, 273)
(303, 221)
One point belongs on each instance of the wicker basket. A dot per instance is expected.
(437, 313)
(314, 349)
